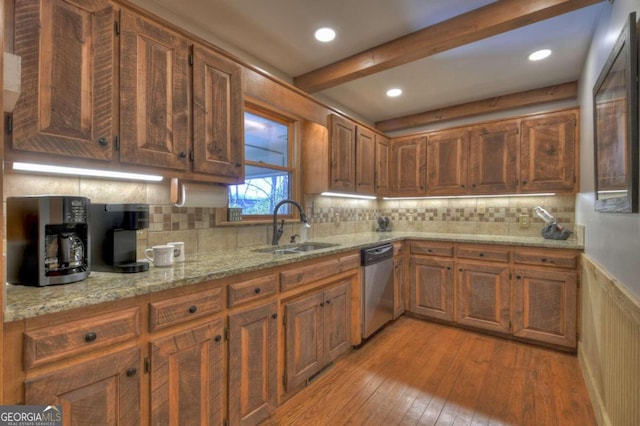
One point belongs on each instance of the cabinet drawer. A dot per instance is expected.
(432, 248)
(495, 254)
(52, 343)
(256, 288)
(317, 271)
(174, 311)
(567, 260)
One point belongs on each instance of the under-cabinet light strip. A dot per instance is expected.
(338, 194)
(542, 194)
(75, 171)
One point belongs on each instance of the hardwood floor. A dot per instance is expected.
(419, 373)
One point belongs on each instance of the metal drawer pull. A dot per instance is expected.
(193, 309)
(90, 337)
(131, 372)
(257, 290)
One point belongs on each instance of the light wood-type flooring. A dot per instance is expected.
(420, 373)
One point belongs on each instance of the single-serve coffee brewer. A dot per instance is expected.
(113, 236)
(47, 240)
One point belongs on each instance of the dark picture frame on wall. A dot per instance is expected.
(615, 109)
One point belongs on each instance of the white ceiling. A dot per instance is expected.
(278, 36)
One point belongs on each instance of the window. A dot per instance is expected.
(268, 165)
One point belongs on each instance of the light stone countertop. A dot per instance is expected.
(26, 302)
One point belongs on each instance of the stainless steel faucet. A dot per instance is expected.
(277, 231)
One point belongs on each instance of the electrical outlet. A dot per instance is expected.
(481, 208)
(524, 220)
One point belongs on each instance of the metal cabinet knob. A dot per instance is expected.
(193, 309)
(132, 372)
(90, 337)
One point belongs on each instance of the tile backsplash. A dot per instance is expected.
(327, 215)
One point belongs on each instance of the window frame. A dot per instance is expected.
(293, 124)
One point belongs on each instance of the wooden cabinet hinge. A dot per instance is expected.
(284, 380)
(116, 27)
(226, 334)
(9, 124)
(225, 422)
(191, 155)
(509, 324)
(117, 142)
(284, 319)
(147, 365)
(510, 276)
(190, 59)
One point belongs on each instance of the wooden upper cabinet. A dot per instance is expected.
(382, 161)
(548, 153)
(447, 158)
(154, 95)
(365, 160)
(66, 103)
(343, 150)
(493, 158)
(409, 162)
(218, 128)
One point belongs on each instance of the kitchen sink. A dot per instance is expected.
(296, 248)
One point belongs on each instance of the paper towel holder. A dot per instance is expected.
(206, 194)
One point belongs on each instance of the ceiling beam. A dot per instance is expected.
(478, 24)
(560, 92)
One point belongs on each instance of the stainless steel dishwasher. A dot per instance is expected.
(377, 288)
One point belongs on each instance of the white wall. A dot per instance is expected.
(611, 239)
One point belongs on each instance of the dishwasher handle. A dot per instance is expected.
(376, 254)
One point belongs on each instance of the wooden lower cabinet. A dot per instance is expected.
(398, 286)
(102, 391)
(253, 364)
(187, 377)
(317, 331)
(483, 296)
(544, 305)
(431, 292)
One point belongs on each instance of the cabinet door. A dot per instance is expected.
(548, 153)
(432, 287)
(337, 320)
(253, 364)
(493, 158)
(65, 106)
(544, 304)
(365, 161)
(304, 339)
(409, 165)
(154, 95)
(382, 159)
(103, 391)
(187, 383)
(484, 296)
(343, 151)
(218, 141)
(398, 293)
(447, 156)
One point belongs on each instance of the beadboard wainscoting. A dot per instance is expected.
(609, 346)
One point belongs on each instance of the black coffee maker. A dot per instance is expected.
(113, 236)
(47, 240)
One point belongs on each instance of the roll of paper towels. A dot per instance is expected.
(188, 194)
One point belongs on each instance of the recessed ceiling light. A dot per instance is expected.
(540, 54)
(325, 34)
(392, 93)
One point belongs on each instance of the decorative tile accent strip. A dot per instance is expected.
(171, 218)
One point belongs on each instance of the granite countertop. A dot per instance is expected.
(26, 302)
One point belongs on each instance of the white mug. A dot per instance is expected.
(178, 251)
(162, 255)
